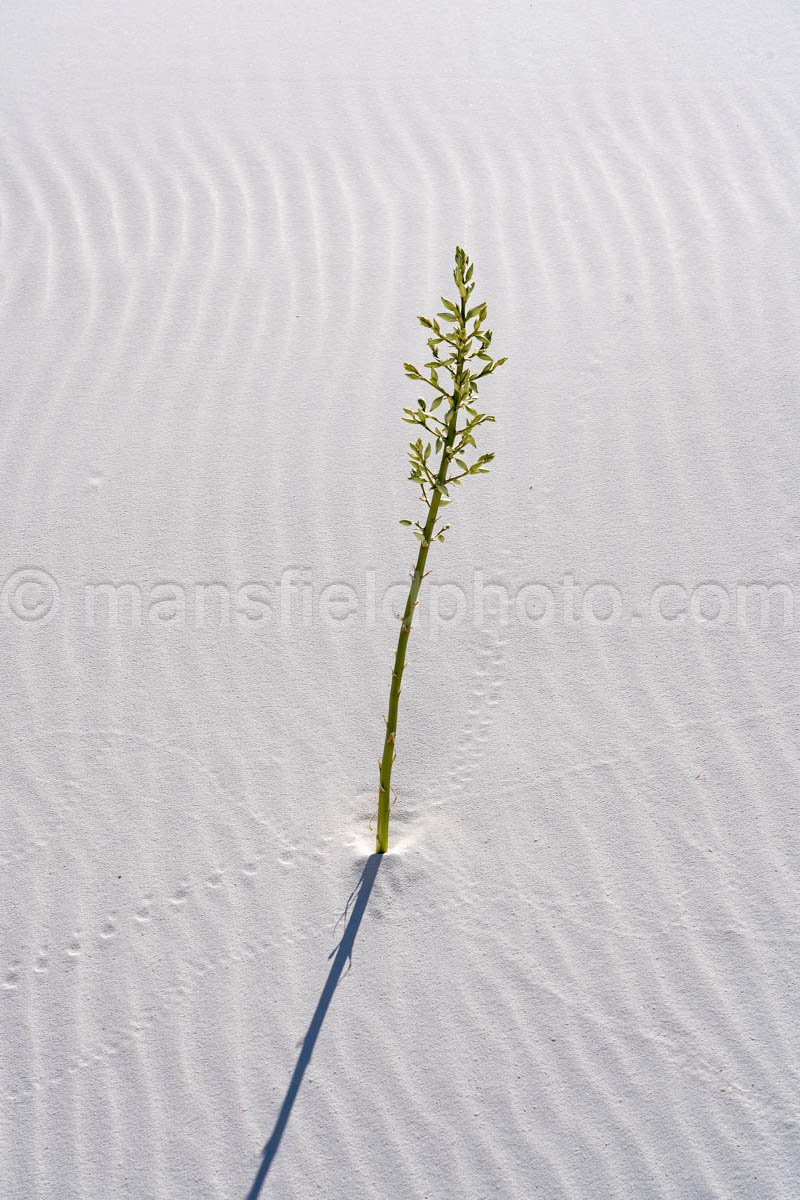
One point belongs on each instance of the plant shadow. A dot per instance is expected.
(341, 955)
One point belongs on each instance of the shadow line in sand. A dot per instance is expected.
(342, 954)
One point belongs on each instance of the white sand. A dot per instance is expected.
(576, 972)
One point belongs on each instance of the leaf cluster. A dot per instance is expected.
(459, 346)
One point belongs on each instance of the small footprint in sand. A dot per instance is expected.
(181, 896)
(42, 963)
(143, 914)
(12, 978)
(74, 948)
(215, 879)
(109, 929)
(249, 869)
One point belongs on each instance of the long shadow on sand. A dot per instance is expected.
(342, 954)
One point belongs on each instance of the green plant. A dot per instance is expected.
(459, 359)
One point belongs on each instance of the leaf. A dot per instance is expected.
(406, 522)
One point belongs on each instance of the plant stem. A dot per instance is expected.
(387, 761)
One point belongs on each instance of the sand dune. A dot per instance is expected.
(574, 975)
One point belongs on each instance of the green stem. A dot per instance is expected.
(387, 761)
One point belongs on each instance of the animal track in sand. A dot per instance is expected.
(113, 927)
(181, 895)
(11, 980)
(485, 694)
(177, 992)
(109, 929)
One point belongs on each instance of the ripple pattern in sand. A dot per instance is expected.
(585, 949)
